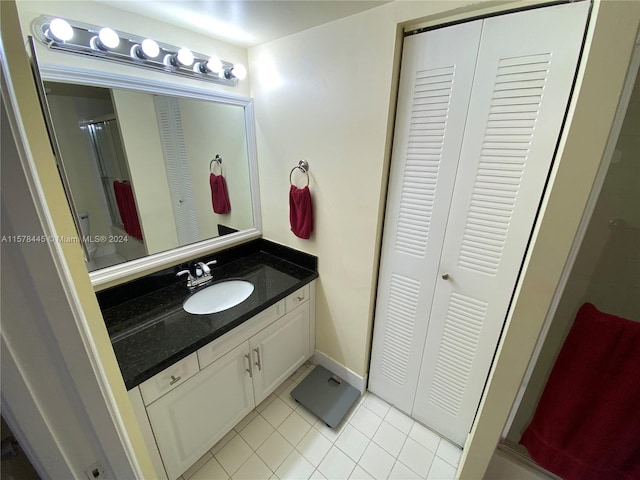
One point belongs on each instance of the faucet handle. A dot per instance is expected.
(212, 262)
(185, 272)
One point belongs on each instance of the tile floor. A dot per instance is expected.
(279, 439)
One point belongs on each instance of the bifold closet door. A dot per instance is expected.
(435, 87)
(524, 74)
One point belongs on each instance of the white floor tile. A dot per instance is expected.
(425, 437)
(211, 470)
(441, 470)
(317, 476)
(286, 397)
(366, 421)
(352, 442)
(286, 385)
(243, 423)
(449, 452)
(295, 467)
(307, 415)
(276, 412)
(377, 462)
(265, 403)
(198, 465)
(332, 434)
(376, 405)
(359, 474)
(234, 454)
(416, 457)
(401, 472)
(399, 420)
(274, 450)
(256, 432)
(294, 428)
(302, 373)
(253, 469)
(223, 441)
(336, 465)
(390, 438)
(314, 446)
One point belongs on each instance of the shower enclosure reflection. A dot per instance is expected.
(138, 167)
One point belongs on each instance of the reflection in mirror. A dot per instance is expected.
(140, 169)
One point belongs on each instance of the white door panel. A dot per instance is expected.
(526, 67)
(435, 86)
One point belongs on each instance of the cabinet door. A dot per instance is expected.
(526, 67)
(435, 86)
(279, 350)
(189, 420)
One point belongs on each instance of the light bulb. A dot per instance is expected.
(239, 71)
(214, 64)
(184, 57)
(61, 30)
(109, 38)
(150, 48)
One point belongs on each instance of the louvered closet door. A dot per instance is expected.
(435, 85)
(526, 65)
(177, 167)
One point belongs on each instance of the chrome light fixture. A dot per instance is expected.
(105, 43)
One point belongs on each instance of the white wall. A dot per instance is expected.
(327, 95)
(211, 129)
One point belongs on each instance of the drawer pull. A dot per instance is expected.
(175, 379)
(258, 363)
(300, 298)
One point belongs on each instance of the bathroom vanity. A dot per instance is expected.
(192, 378)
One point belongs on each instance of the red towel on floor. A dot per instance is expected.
(219, 194)
(127, 209)
(300, 211)
(587, 423)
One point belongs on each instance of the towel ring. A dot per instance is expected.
(218, 160)
(303, 166)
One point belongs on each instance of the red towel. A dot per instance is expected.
(219, 194)
(300, 211)
(127, 208)
(587, 424)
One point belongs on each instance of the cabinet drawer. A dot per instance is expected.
(227, 342)
(169, 378)
(296, 298)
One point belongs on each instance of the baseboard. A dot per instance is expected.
(340, 370)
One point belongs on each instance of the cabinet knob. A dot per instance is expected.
(446, 276)
(175, 379)
(300, 298)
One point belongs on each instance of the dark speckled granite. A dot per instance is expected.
(151, 332)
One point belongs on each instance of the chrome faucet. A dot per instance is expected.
(203, 274)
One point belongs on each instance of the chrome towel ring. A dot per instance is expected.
(218, 160)
(303, 166)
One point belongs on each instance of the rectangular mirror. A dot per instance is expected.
(156, 172)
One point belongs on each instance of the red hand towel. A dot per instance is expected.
(219, 194)
(127, 209)
(300, 211)
(587, 423)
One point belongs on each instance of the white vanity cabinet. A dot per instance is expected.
(277, 351)
(236, 372)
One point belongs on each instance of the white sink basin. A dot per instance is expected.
(218, 297)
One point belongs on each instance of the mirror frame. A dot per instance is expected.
(130, 269)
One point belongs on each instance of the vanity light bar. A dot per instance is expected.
(105, 43)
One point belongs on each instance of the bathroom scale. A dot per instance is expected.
(326, 395)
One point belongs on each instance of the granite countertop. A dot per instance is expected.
(151, 332)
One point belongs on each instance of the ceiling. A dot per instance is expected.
(246, 22)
